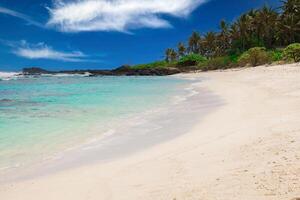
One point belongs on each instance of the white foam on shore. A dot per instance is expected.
(191, 90)
(66, 75)
(6, 76)
(9, 75)
(94, 142)
(143, 118)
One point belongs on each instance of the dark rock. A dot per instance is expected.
(188, 68)
(35, 71)
(6, 100)
(125, 70)
(128, 71)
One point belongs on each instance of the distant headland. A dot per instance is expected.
(120, 71)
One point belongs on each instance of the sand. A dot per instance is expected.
(247, 149)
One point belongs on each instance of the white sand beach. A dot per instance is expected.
(246, 149)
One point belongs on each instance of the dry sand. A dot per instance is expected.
(247, 149)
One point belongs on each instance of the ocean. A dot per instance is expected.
(44, 118)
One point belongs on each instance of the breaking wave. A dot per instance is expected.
(4, 76)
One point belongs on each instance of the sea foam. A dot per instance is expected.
(8, 75)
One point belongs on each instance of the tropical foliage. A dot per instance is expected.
(276, 55)
(254, 57)
(171, 55)
(256, 37)
(157, 64)
(223, 62)
(292, 52)
(191, 60)
(266, 27)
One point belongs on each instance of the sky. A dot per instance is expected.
(104, 34)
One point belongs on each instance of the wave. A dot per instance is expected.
(65, 75)
(4, 76)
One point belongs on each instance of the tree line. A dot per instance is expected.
(265, 27)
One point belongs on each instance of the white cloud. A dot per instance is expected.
(42, 51)
(117, 15)
(20, 16)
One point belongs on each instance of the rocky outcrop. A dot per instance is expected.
(121, 71)
(35, 71)
(128, 71)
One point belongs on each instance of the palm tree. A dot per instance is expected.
(244, 27)
(181, 49)
(290, 6)
(290, 29)
(266, 25)
(234, 32)
(223, 41)
(290, 21)
(173, 56)
(194, 42)
(170, 55)
(260, 27)
(210, 41)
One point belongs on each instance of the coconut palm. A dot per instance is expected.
(210, 44)
(290, 28)
(261, 27)
(290, 21)
(223, 41)
(268, 22)
(170, 55)
(291, 7)
(194, 42)
(181, 49)
(244, 26)
(173, 55)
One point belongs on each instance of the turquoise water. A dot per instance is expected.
(42, 116)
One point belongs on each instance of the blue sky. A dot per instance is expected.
(102, 34)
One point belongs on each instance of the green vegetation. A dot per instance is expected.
(217, 63)
(292, 52)
(157, 64)
(191, 60)
(255, 38)
(275, 55)
(254, 57)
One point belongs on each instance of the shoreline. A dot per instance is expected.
(140, 132)
(248, 148)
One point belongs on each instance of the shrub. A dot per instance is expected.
(234, 58)
(191, 60)
(254, 56)
(292, 52)
(275, 55)
(216, 63)
(157, 64)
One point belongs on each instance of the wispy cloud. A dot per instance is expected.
(117, 15)
(26, 18)
(45, 52)
(42, 51)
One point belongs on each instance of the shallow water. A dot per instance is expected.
(43, 116)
